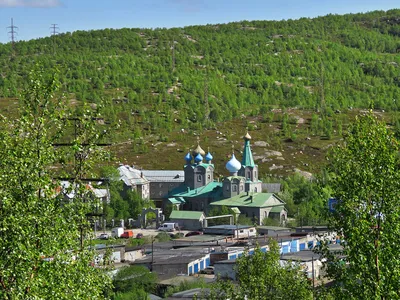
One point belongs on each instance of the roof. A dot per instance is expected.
(164, 175)
(230, 227)
(247, 159)
(251, 200)
(177, 200)
(185, 214)
(131, 176)
(277, 209)
(68, 191)
(214, 188)
(276, 228)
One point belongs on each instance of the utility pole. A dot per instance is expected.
(322, 90)
(207, 107)
(78, 161)
(54, 32)
(173, 55)
(12, 31)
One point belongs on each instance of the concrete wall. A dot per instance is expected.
(133, 255)
(188, 224)
(160, 190)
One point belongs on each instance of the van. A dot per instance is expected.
(168, 227)
(117, 231)
(127, 234)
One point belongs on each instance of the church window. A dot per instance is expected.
(255, 189)
(227, 187)
(255, 174)
(241, 188)
(248, 175)
(198, 177)
(209, 177)
(234, 188)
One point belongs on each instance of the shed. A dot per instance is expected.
(188, 220)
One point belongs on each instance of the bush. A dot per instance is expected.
(163, 237)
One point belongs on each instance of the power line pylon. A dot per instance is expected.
(12, 31)
(54, 32)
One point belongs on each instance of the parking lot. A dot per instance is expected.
(145, 232)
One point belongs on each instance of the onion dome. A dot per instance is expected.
(188, 157)
(209, 157)
(198, 150)
(198, 158)
(233, 166)
(247, 137)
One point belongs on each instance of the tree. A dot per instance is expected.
(261, 276)
(134, 282)
(364, 176)
(41, 254)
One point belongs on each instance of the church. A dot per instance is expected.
(241, 189)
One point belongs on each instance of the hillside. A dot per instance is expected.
(294, 83)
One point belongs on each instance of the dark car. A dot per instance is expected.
(194, 233)
(208, 270)
(139, 236)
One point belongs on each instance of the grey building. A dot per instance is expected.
(162, 182)
(135, 180)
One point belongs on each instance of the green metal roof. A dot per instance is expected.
(247, 159)
(251, 200)
(212, 187)
(178, 200)
(185, 214)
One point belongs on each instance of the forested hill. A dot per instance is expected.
(199, 75)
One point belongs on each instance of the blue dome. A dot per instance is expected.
(188, 157)
(198, 158)
(209, 157)
(233, 165)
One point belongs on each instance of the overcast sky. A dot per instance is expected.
(35, 17)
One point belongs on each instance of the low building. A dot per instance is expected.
(240, 231)
(171, 263)
(257, 206)
(273, 231)
(188, 220)
(308, 260)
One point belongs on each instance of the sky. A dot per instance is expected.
(35, 17)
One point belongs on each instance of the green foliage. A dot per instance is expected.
(305, 199)
(252, 66)
(134, 281)
(220, 211)
(364, 177)
(43, 251)
(163, 237)
(184, 286)
(261, 276)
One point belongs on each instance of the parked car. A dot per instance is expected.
(104, 236)
(194, 233)
(139, 236)
(208, 270)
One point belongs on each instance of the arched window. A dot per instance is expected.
(234, 188)
(198, 177)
